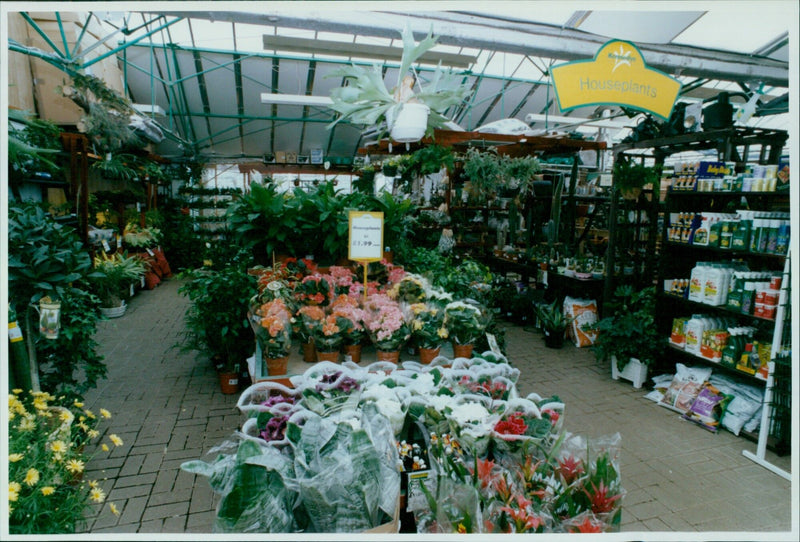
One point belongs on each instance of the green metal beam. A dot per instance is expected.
(80, 36)
(98, 43)
(130, 43)
(201, 84)
(465, 108)
(236, 60)
(50, 58)
(237, 75)
(184, 99)
(63, 36)
(225, 131)
(254, 117)
(41, 32)
(312, 69)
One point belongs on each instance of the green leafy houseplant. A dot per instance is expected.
(517, 173)
(367, 100)
(630, 330)
(631, 176)
(217, 318)
(554, 323)
(113, 276)
(483, 169)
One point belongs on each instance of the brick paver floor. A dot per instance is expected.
(168, 409)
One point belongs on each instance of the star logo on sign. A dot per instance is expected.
(621, 58)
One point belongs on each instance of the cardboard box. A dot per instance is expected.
(291, 157)
(280, 157)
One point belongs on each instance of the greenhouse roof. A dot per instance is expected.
(202, 74)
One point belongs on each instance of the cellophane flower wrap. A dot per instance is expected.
(412, 288)
(427, 325)
(274, 328)
(314, 290)
(385, 324)
(464, 322)
(349, 308)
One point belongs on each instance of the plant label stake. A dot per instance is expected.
(365, 239)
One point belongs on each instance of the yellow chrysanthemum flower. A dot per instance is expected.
(15, 486)
(93, 484)
(104, 447)
(40, 403)
(58, 458)
(442, 333)
(65, 416)
(75, 466)
(93, 433)
(97, 495)
(16, 391)
(12, 495)
(113, 508)
(84, 427)
(58, 446)
(78, 404)
(105, 413)
(89, 414)
(32, 477)
(115, 439)
(28, 423)
(13, 458)
(48, 490)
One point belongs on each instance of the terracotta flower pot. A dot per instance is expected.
(309, 352)
(328, 356)
(462, 350)
(426, 355)
(352, 352)
(383, 355)
(277, 366)
(229, 383)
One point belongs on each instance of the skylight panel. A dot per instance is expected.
(742, 30)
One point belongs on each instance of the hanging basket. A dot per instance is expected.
(410, 123)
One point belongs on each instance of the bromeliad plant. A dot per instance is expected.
(47, 457)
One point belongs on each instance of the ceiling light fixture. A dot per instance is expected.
(296, 99)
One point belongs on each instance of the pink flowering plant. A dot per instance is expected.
(348, 307)
(274, 328)
(385, 323)
(342, 278)
(48, 452)
(327, 329)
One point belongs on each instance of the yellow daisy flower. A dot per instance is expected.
(97, 495)
(78, 404)
(13, 495)
(65, 416)
(32, 477)
(28, 423)
(75, 466)
(15, 486)
(13, 458)
(58, 458)
(48, 490)
(16, 391)
(40, 403)
(105, 413)
(58, 446)
(115, 439)
(89, 413)
(104, 447)
(113, 508)
(93, 433)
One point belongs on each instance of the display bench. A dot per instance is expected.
(297, 366)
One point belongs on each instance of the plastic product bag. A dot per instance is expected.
(582, 313)
(708, 408)
(745, 403)
(685, 387)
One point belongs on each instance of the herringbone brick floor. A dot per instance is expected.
(168, 409)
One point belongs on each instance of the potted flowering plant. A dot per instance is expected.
(427, 329)
(354, 333)
(314, 290)
(274, 334)
(386, 326)
(112, 279)
(412, 288)
(46, 461)
(465, 324)
(327, 330)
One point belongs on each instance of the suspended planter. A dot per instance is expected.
(411, 123)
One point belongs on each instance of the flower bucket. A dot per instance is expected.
(462, 350)
(426, 355)
(277, 366)
(229, 383)
(391, 356)
(114, 312)
(634, 371)
(352, 352)
(333, 357)
(410, 123)
(309, 352)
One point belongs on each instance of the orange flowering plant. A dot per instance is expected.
(47, 457)
(327, 329)
(274, 330)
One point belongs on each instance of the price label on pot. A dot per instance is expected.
(365, 236)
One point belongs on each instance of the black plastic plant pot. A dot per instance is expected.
(553, 339)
